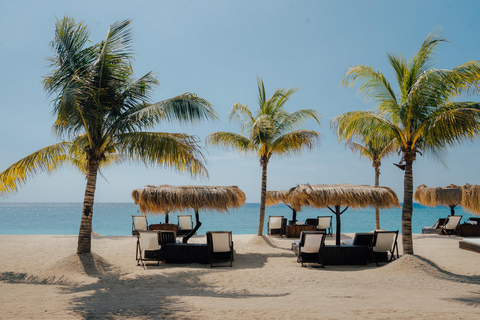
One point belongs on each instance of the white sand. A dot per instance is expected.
(42, 278)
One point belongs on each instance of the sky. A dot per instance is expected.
(217, 49)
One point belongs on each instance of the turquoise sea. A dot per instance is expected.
(115, 219)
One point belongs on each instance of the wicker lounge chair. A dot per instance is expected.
(148, 248)
(310, 248)
(185, 224)
(276, 225)
(451, 225)
(220, 246)
(139, 223)
(384, 242)
(324, 223)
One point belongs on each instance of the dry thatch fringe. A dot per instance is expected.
(165, 198)
(280, 196)
(471, 198)
(354, 196)
(448, 196)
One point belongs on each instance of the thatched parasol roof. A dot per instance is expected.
(354, 196)
(449, 196)
(165, 198)
(277, 197)
(471, 198)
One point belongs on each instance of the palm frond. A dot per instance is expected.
(176, 151)
(294, 142)
(230, 140)
(186, 108)
(47, 159)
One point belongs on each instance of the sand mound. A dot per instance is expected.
(75, 268)
(411, 263)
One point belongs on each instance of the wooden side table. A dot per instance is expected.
(293, 231)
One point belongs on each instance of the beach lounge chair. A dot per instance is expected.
(275, 225)
(384, 242)
(451, 224)
(166, 236)
(148, 248)
(220, 246)
(185, 224)
(436, 228)
(324, 223)
(310, 248)
(139, 223)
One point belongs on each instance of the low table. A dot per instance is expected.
(346, 255)
(164, 226)
(187, 253)
(293, 231)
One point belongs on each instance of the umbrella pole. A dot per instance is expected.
(166, 218)
(452, 210)
(294, 216)
(338, 212)
(194, 230)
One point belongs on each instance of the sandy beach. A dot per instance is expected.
(42, 278)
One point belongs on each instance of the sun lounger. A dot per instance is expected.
(324, 223)
(276, 225)
(384, 242)
(451, 224)
(221, 246)
(148, 248)
(470, 244)
(185, 224)
(139, 223)
(436, 228)
(310, 248)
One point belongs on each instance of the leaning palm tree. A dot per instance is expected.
(424, 115)
(101, 112)
(268, 132)
(374, 149)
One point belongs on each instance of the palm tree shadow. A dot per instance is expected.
(474, 299)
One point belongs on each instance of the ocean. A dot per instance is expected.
(115, 219)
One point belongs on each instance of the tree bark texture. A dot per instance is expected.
(407, 210)
(377, 210)
(85, 233)
(263, 197)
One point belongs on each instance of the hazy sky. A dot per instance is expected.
(217, 49)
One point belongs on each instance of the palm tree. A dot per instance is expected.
(268, 132)
(425, 114)
(101, 111)
(374, 149)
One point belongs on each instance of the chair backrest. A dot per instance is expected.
(384, 240)
(221, 241)
(452, 222)
(363, 239)
(311, 241)
(185, 222)
(166, 236)
(148, 240)
(140, 222)
(275, 222)
(324, 222)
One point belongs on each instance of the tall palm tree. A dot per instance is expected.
(268, 132)
(424, 115)
(101, 112)
(374, 149)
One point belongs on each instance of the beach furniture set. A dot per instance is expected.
(277, 225)
(162, 246)
(376, 246)
(445, 226)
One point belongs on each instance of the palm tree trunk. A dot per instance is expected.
(339, 225)
(198, 224)
(407, 210)
(85, 233)
(377, 210)
(263, 197)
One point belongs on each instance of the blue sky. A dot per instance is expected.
(216, 49)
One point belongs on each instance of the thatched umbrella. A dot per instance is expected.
(165, 198)
(338, 195)
(471, 198)
(281, 196)
(449, 196)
